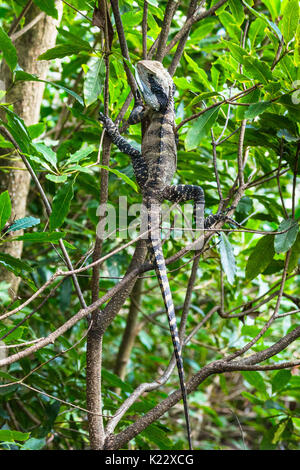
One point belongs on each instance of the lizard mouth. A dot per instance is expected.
(139, 82)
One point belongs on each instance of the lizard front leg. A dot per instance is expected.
(138, 162)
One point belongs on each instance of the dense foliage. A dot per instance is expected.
(241, 63)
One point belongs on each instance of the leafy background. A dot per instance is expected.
(251, 409)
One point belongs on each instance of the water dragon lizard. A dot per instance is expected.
(154, 167)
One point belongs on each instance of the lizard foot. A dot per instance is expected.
(222, 216)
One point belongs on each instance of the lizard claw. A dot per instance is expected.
(213, 218)
(106, 121)
(102, 117)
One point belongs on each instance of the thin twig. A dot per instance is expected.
(240, 153)
(78, 11)
(198, 15)
(214, 144)
(166, 23)
(278, 180)
(219, 103)
(17, 21)
(144, 29)
(28, 26)
(295, 180)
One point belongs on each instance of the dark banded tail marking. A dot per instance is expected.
(161, 273)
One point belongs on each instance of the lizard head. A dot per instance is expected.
(155, 84)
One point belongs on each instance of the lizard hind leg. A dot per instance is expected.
(189, 192)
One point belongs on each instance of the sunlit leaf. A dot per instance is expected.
(94, 80)
(8, 49)
(284, 241)
(5, 208)
(61, 205)
(260, 257)
(227, 258)
(24, 223)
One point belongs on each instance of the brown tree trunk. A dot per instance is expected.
(26, 98)
(130, 332)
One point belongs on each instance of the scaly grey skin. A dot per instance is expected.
(154, 168)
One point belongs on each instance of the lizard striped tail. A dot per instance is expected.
(161, 273)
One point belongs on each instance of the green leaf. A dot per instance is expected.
(42, 237)
(18, 129)
(272, 25)
(237, 52)
(34, 444)
(257, 69)
(295, 254)
(5, 208)
(255, 379)
(35, 130)
(252, 97)
(227, 258)
(280, 429)
(202, 96)
(62, 50)
(61, 205)
(260, 257)
(273, 7)
(57, 178)
(200, 128)
(80, 154)
(155, 433)
(40, 161)
(8, 49)
(252, 398)
(14, 264)
(203, 30)
(290, 19)
(74, 39)
(120, 175)
(284, 241)
(153, 2)
(24, 76)
(65, 294)
(8, 435)
(115, 382)
(237, 11)
(256, 31)
(297, 48)
(183, 84)
(256, 109)
(47, 153)
(22, 224)
(48, 6)
(94, 80)
(17, 267)
(200, 74)
(68, 245)
(280, 380)
(229, 23)
(250, 330)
